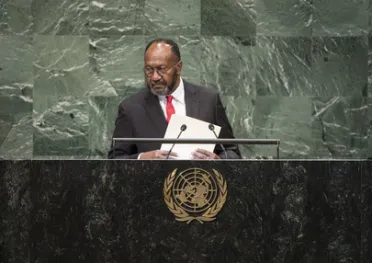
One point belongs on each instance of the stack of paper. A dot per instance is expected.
(196, 129)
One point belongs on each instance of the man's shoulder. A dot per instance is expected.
(135, 98)
(203, 90)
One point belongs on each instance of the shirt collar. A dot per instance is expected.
(178, 94)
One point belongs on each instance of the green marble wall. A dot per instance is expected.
(296, 70)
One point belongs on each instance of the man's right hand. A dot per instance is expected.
(157, 154)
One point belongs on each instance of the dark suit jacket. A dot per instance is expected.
(140, 116)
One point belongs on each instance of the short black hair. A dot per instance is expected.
(175, 49)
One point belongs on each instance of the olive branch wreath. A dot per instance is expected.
(181, 214)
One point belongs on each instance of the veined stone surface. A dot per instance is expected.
(295, 70)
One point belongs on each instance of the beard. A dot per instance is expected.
(162, 88)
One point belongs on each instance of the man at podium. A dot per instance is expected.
(147, 113)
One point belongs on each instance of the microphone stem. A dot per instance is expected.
(170, 150)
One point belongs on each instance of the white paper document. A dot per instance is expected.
(196, 129)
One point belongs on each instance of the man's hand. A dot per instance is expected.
(157, 154)
(201, 154)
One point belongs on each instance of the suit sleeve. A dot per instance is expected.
(232, 150)
(123, 129)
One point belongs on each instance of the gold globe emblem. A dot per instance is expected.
(195, 194)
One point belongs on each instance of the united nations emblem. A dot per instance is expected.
(195, 194)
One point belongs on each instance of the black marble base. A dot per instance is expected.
(113, 211)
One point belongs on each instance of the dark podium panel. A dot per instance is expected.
(114, 211)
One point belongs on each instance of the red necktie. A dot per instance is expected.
(169, 108)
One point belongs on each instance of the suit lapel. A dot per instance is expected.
(155, 113)
(191, 100)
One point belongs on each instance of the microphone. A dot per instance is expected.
(211, 127)
(182, 129)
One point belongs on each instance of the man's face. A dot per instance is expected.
(162, 69)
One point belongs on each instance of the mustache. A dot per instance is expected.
(158, 82)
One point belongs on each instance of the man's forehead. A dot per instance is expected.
(159, 49)
(158, 55)
(160, 45)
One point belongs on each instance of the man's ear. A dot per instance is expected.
(179, 67)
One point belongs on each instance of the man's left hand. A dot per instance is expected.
(200, 154)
